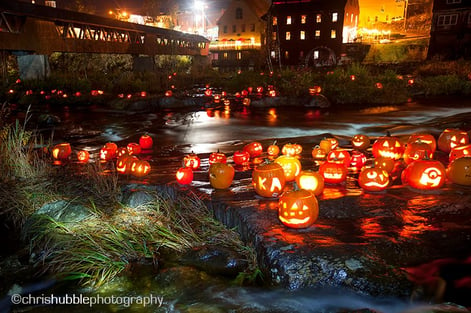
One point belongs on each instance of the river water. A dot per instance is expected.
(203, 130)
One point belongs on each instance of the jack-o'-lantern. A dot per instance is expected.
(254, 149)
(357, 160)
(61, 151)
(427, 138)
(111, 146)
(291, 166)
(146, 142)
(291, 149)
(340, 156)
(424, 174)
(417, 150)
(451, 138)
(134, 148)
(314, 90)
(107, 153)
(388, 146)
(459, 171)
(184, 175)
(298, 209)
(333, 173)
(318, 153)
(311, 181)
(334, 143)
(384, 163)
(122, 151)
(241, 157)
(140, 168)
(459, 152)
(217, 157)
(326, 145)
(221, 175)
(123, 163)
(83, 156)
(373, 179)
(360, 142)
(268, 180)
(273, 150)
(192, 161)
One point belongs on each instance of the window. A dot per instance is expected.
(333, 33)
(288, 20)
(316, 54)
(252, 27)
(288, 35)
(225, 29)
(317, 34)
(238, 14)
(446, 20)
(335, 17)
(239, 55)
(318, 18)
(273, 35)
(303, 19)
(225, 55)
(452, 1)
(275, 21)
(234, 28)
(286, 55)
(302, 35)
(242, 28)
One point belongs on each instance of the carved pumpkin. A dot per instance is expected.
(388, 146)
(427, 138)
(361, 142)
(340, 156)
(357, 160)
(61, 151)
(107, 153)
(254, 149)
(123, 164)
(417, 150)
(298, 209)
(384, 163)
(140, 168)
(268, 180)
(292, 149)
(311, 181)
(333, 173)
(122, 151)
(318, 153)
(459, 152)
(112, 146)
(373, 179)
(146, 142)
(217, 157)
(291, 166)
(192, 161)
(241, 157)
(221, 175)
(451, 138)
(83, 156)
(424, 174)
(459, 171)
(334, 143)
(326, 145)
(273, 150)
(134, 148)
(184, 175)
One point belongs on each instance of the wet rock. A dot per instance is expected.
(215, 260)
(64, 211)
(48, 120)
(318, 101)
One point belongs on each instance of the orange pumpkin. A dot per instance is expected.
(424, 174)
(318, 153)
(384, 163)
(357, 160)
(427, 138)
(221, 175)
(134, 148)
(140, 168)
(417, 150)
(373, 179)
(112, 146)
(146, 142)
(333, 173)
(326, 145)
(123, 164)
(184, 175)
(388, 146)
(273, 150)
(254, 149)
(61, 151)
(291, 166)
(107, 153)
(451, 138)
(340, 156)
(361, 142)
(311, 181)
(268, 180)
(298, 209)
(334, 143)
(459, 171)
(217, 157)
(459, 152)
(192, 161)
(241, 157)
(83, 156)
(292, 149)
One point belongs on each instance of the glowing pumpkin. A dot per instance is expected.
(311, 181)
(134, 148)
(417, 150)
(318, 153)
(427, 138)
(291, 166)
(107, 153)
(221, 175)
(373, 179)
(340, 156)
(61, 151)
(384, 163)
(326, 145)
(361, 142)
(291, 149)
(112, 146)
(298, 209)
(192, 161)
(268, 180)
(122, 151)
(273, 150)
(184, 175)
(388, 146)
(217, 157)
(424, 174)
(333, 173)
(459, 152)
(123, 163)
(146, 142)
(357, 160)
(334, 143)
(254, 149)
(459, 171)
(241, 157)
(83, 156)
(140, 168)
(451, 138)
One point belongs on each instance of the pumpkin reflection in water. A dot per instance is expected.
(424, 174)
(373, 179)
(291, 166)
(311, 181)
(268, 180)
(298, 209)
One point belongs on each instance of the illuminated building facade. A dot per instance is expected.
(450, 35)
(311, 32)
(241, 36)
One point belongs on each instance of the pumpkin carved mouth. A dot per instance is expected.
(293, 220)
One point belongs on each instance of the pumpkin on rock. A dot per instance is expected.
(451, 138)
(360, 142)
(291, 166)
(298, 209)
(373, 179)
(184, 175)
(424, 174)
(311, 181)
(268, 180)
(459, 171)
(388, 146)
(221, 175)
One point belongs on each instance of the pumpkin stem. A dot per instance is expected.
(388, 133)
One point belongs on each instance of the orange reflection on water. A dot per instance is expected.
(413, 222)
(272, 115)
(268, 204)
(334, 192)
(371, 228)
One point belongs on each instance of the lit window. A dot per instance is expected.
(335, 16)
(286, 55)
(302, 35)
(303, 19)
(318, 34)
(238, 14)
(288, 35)
(275, 21)
(273, 54)
(446, 20)
(273, 35)
(316, 55)
(224, 55)
(288, 20)
(333, 33)
(318, 18)
(239, 55)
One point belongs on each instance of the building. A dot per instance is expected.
(450, 35)
(241, 36)
(311, 32)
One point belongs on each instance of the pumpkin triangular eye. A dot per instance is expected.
(398, 144)
(386, 144)
(453, 138)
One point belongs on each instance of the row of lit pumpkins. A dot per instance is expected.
(127, 161)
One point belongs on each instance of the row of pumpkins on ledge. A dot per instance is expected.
(127, 161)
